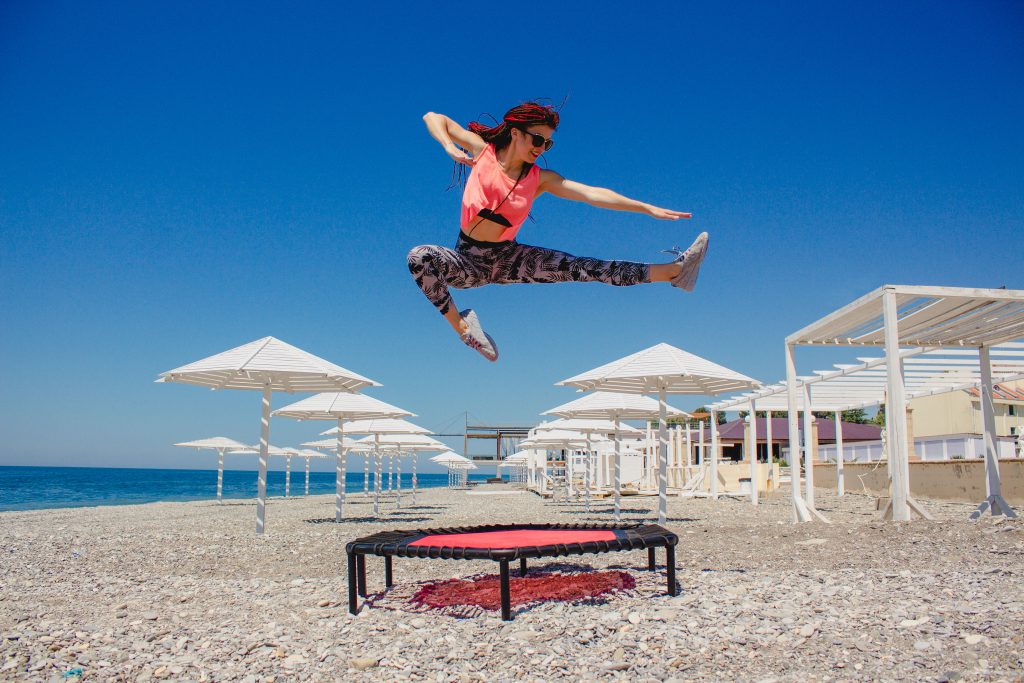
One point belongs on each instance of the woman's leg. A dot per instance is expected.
(522, 263)
(435, 269)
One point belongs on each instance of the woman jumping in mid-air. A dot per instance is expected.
(497, 199)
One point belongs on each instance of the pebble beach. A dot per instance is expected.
(188, 592)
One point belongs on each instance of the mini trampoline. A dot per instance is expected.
(504, 543)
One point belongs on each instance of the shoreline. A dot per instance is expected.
(186, 590)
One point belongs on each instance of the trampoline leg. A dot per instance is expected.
(651, 562)
(506, 594)
(670, 567)
(522, 566)
(361, 570)
(387, 571)
(353, 598)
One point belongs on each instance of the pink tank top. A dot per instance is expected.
(487, 186)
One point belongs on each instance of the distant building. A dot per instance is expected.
(959, 412)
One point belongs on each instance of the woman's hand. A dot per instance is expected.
(458, 155)
(667, 214)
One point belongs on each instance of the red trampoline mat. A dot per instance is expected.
(516, 538)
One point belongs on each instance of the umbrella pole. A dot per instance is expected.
(618, 472)
(662, 456)
(415, 457)
(339, 474)
(366, 475)
(307, 476)
(377, 473)
(261, 477)
(391, 471)
(287, 475)
(586, 475)
(220, 475)
(398, 485)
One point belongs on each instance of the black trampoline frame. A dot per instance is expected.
(389, 544)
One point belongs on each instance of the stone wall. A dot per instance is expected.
(958, 480)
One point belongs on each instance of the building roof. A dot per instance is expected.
(852, 431)
(1001, 392)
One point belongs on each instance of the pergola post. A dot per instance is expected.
(689, 456)
(840, 481)
(339, 473)
(366, 474)
(768, 446)
(261, 475)
(994, 501)
(307, 476)
(662, 455)
(701, 450)
(895, 414)
(753, 453)
(808, 448)
(801, 512)
(713, 426)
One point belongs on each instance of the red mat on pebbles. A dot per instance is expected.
(485, 592)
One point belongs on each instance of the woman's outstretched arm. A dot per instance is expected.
(602, 197)
(452, 137)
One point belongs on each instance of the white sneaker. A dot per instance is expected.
(475, 338)
(690, 260)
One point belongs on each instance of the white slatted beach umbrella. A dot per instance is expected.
(219, 444)
(267, 365)
(308, 454)
(589, 427)
(452, 462)
(340, 406)
(404, 443)
(663, 369)
(617, 407)
(376, 427)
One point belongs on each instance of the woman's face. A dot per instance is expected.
(522, 146)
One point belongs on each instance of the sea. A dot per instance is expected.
(36, 488)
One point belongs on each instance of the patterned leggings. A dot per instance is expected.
(473, 264)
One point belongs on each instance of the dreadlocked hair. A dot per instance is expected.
(500, 134)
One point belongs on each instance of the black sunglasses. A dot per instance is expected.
(538, 140)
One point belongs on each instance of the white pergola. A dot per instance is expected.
(926, 319)
(927, 372)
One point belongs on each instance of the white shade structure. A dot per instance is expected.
(267, 365)
(376, 428)
(340, 406)
(349, 444)
(663, 369)
(255, 450)
(308, 454)
(894, 317)
(589, 427)
(615, 406)
(219, 444)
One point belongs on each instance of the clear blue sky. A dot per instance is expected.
(180, 178)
